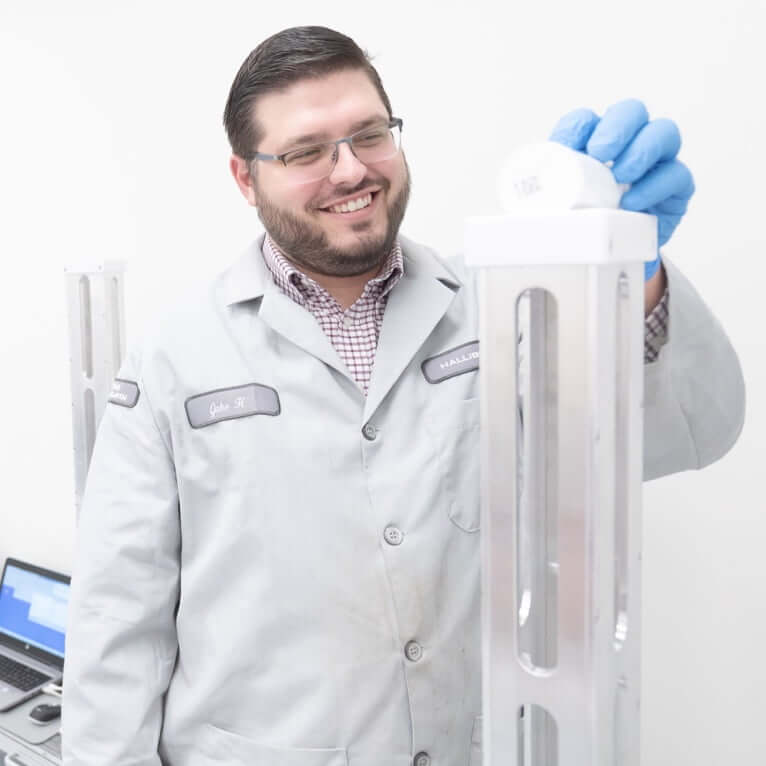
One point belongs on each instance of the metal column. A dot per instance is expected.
(562, 461)
(95, 304)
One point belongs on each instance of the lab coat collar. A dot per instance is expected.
(249, 277)
(249, 280)
(415, 306)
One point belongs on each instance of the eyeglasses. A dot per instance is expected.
(306, 164)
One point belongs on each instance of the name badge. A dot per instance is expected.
(454, 362)
(124, 392)
(229, 403)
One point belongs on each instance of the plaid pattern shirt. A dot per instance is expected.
(656, 329)
(354, 332)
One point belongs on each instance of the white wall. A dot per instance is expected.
(111, 146)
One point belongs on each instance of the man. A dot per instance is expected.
(278, 557)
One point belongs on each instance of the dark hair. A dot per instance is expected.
(278, 62)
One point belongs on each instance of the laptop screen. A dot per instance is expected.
(33, 608)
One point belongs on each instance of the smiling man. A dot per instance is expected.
(310, 218)
(278, 553)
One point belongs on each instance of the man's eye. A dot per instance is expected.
(370, 138)
(304, 155)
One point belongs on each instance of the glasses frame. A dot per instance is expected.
(394, 122)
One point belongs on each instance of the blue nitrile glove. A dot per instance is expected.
(644, 155)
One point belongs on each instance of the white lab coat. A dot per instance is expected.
(245, 592)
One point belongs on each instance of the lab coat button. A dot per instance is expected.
(422, 759)
(369, 431)
(393, 536)
(413, 651)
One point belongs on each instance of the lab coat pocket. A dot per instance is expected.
(232, 749)
(475, 759)
(455, 430)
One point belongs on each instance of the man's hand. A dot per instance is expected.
(644, 155)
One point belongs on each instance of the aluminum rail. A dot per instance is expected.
(562, 458)
(96, 310)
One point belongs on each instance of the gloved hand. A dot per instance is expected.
(644, 154)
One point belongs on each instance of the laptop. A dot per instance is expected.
(33, 606)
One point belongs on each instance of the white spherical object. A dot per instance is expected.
(551, 176)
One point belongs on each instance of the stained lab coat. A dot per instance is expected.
(300, 587)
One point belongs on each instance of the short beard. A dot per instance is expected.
(307, 245)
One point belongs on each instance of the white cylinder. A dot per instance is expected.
(551, 176)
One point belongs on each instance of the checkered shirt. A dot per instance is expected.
(656, 329)
(354, 332)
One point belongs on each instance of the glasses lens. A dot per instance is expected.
(377, 144)
(312, 163)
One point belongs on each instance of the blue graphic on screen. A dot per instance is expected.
(33, 609)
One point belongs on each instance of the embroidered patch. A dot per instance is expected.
(124, 392)
(229, 403)
(454, 362)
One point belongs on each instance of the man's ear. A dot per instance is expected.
(240, 169)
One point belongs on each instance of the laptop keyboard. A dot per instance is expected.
(19, 675)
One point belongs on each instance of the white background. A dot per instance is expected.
(111, 146)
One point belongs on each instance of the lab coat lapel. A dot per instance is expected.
(249, 279)
(415, 306)
(299, 326)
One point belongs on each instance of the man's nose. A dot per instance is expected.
(347, 167)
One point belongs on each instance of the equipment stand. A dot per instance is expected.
(561, 336)
(95, 303)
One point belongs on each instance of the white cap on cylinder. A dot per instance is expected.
(551, 176)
